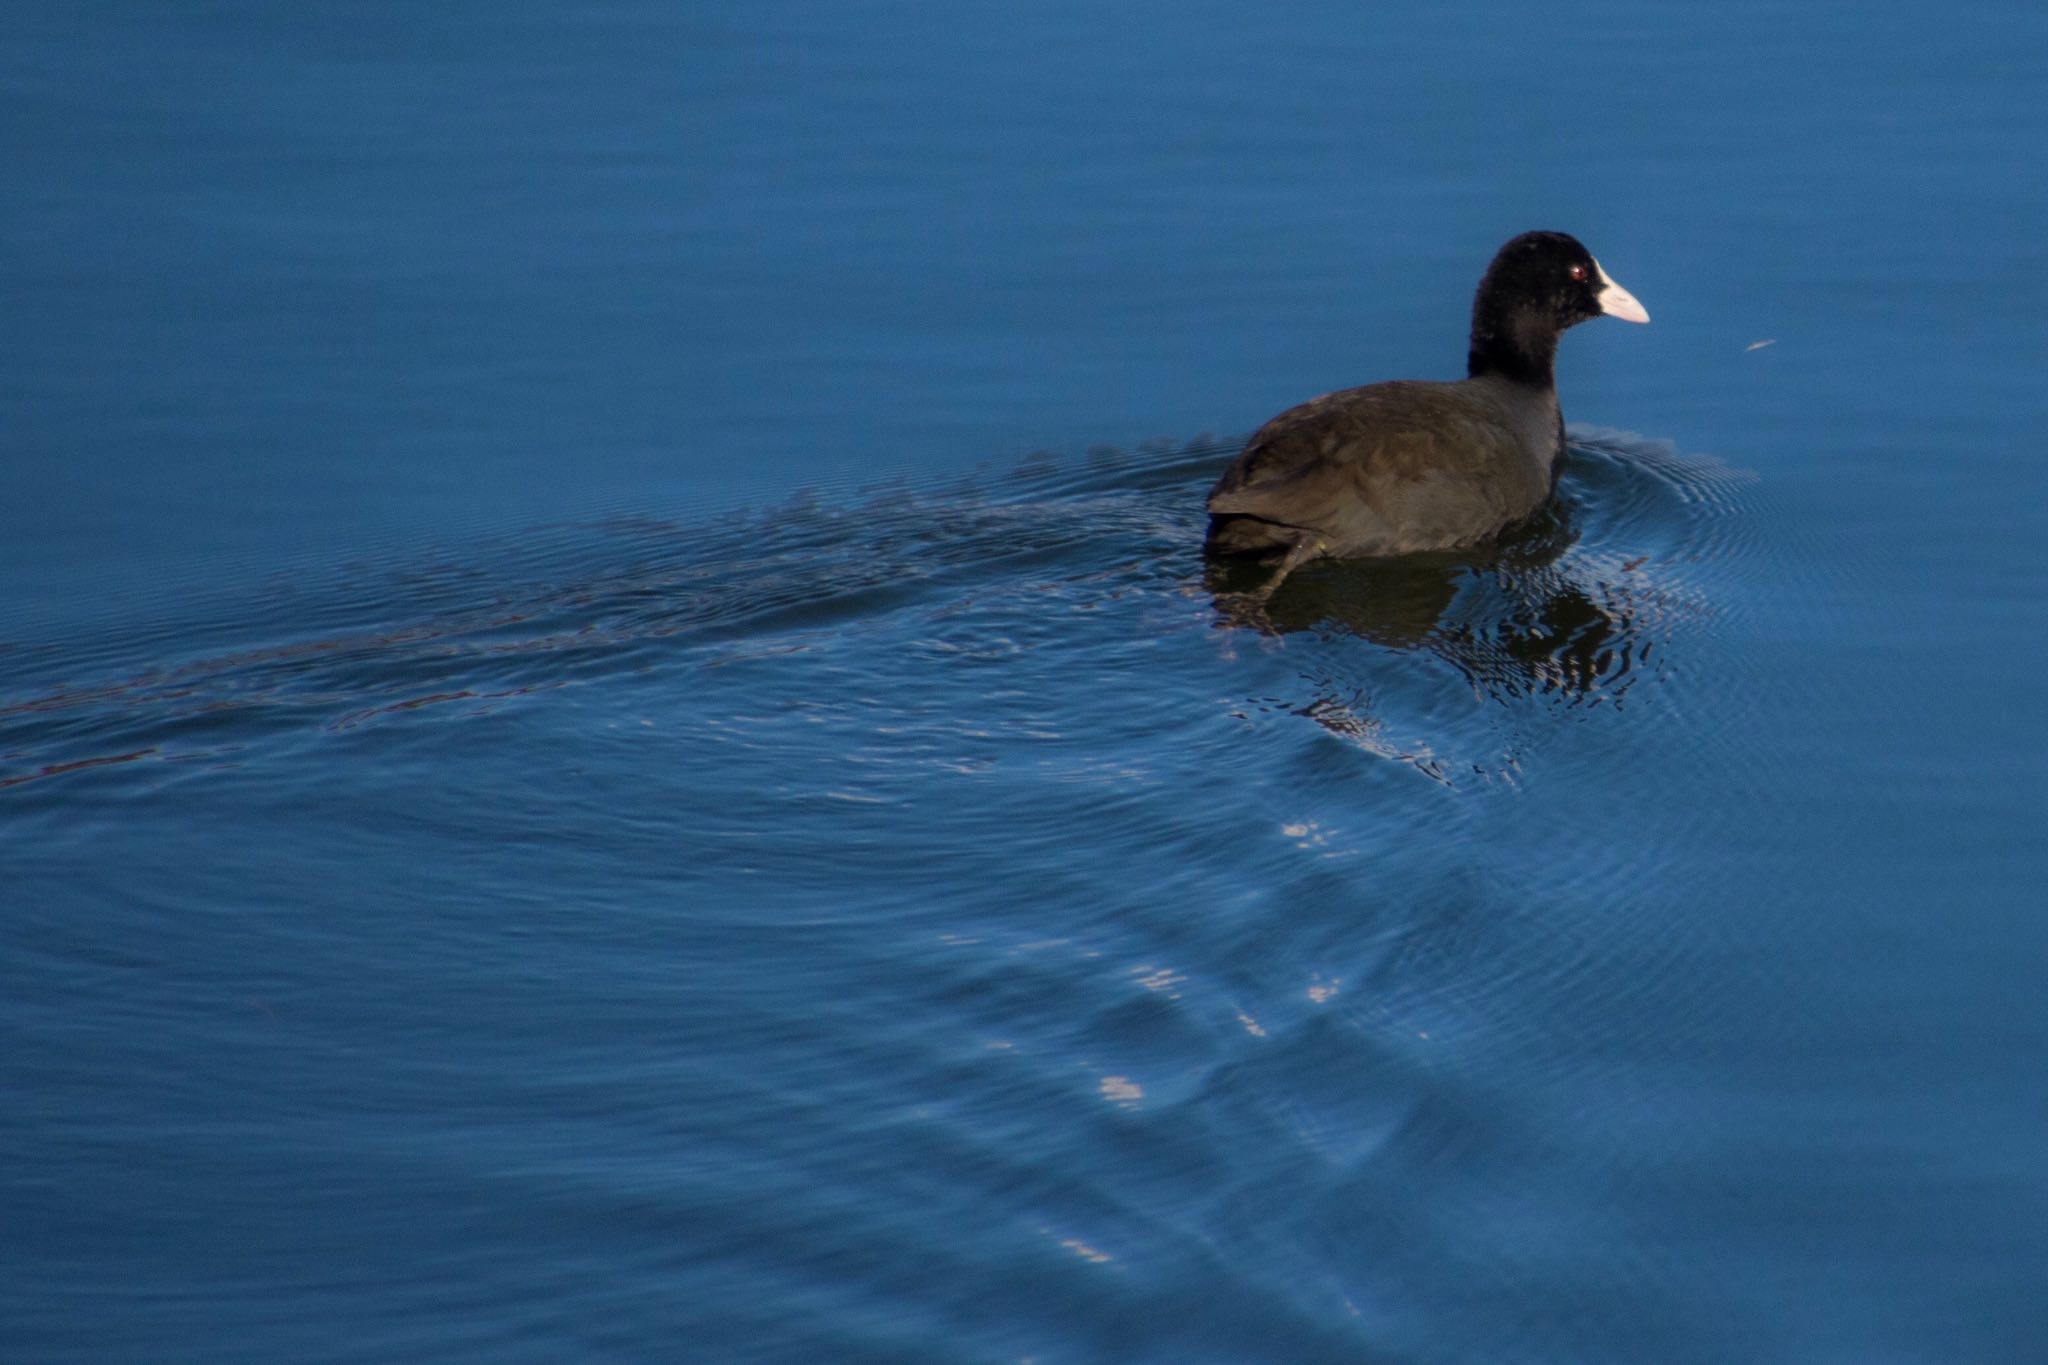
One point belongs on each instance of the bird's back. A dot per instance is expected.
(1390, 468)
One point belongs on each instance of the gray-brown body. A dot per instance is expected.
(1392, 469)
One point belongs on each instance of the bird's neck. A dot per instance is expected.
(1517, 345)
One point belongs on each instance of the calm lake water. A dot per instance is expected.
(614, 744)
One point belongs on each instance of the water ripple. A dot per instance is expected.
(1088, 558)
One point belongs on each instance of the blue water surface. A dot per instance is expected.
(615, 743)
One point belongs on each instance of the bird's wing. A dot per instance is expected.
(1317, 464)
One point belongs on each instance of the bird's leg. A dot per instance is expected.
(1306, 546)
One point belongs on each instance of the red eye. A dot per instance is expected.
(1578, 272)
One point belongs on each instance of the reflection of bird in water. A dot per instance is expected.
(1523, 625)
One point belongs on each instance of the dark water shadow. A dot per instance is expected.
(1574, 606)
(1506, 615)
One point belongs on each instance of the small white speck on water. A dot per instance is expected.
(1121, 1089)
(1080, 1248)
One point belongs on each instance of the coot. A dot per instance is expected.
(1413, 465)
